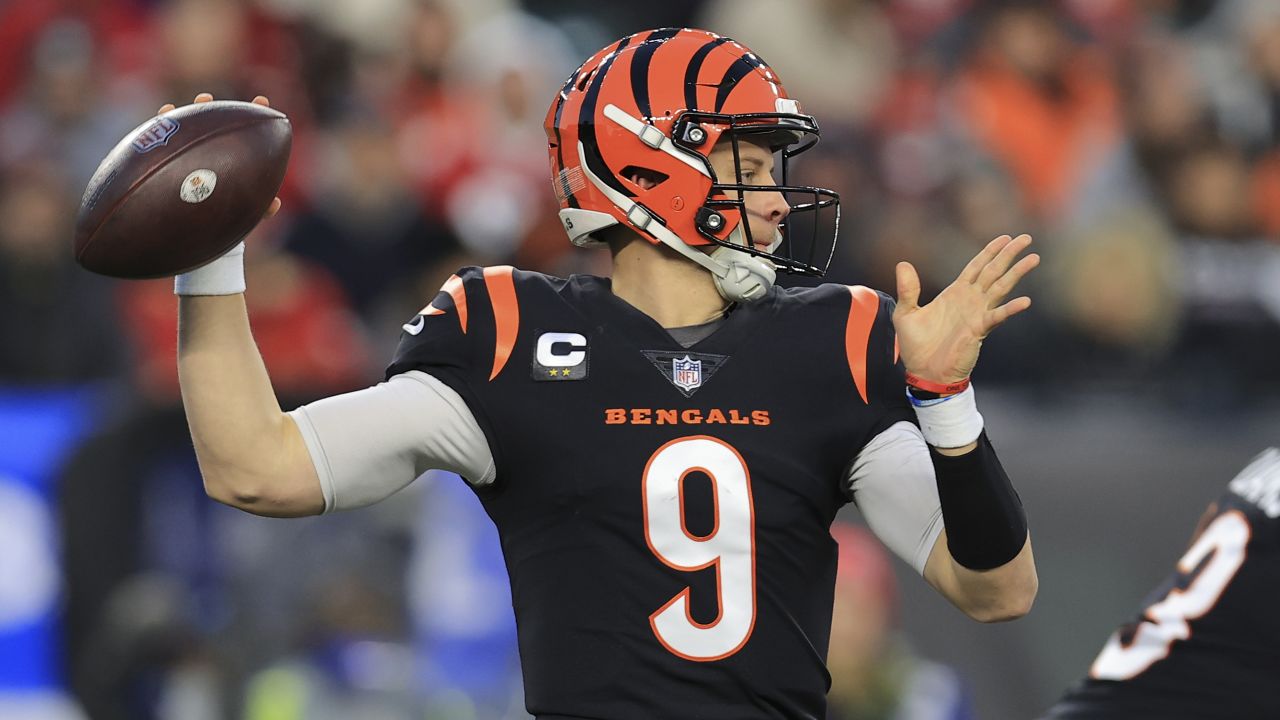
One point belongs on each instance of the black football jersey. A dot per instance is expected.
(1207, 643)
(664, 512)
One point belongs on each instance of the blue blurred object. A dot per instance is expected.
(38, 429)
(460, 602)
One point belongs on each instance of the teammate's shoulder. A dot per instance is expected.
(1259, 483)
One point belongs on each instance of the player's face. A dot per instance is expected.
(765, 210)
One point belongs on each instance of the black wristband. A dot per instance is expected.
(986, 525)
(919, 394)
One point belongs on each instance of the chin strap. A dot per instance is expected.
(739, 276)
(748, 277)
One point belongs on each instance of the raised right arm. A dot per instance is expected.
(251, 454)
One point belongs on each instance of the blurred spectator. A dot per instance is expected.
(61, 114)
(227, 48)
(1163, 105)
(146, 659)
(1114, 285)
(835, 56)
(58, 324)
(874, 675)
(1039, 103)
(590, 29)
(364, 226)
(510, 66)
(352, 662)
(1208, 190)
(311, 341)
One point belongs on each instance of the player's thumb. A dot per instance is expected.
(908, 286)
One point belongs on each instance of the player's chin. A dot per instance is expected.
(766, 239)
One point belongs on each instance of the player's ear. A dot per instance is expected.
(643, 178)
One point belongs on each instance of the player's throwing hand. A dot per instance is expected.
(939, 341)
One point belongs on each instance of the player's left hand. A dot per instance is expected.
(940, 341)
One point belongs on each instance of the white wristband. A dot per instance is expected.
(224, 276)
(949, 422)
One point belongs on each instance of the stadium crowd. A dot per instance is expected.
(1137, 140)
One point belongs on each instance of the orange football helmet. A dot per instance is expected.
(656, 103)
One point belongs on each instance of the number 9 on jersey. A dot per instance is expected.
(729, 547)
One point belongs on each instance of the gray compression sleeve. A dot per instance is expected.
(370, 443)
(893, 484)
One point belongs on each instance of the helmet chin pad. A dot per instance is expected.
(748, 277)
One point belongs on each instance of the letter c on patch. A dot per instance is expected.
(547, 357)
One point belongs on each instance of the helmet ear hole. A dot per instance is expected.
(643, 178)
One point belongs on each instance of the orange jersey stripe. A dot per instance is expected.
(454, 287)
(506, 313)
(863, 308)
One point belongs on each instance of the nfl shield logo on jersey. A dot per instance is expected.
(686, 373)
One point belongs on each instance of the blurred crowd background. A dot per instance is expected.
(1137, 140)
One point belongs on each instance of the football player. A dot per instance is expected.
(1205, 644)
(662, 451)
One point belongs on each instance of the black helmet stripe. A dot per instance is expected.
(695, 67)
(587, 126)
(640, 67)
(738, 70)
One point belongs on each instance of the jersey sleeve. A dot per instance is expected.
(367, 445)
(464, 338)
(444, 337)
(871, 349)
(893, 484)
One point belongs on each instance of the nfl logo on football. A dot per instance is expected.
(155, 134)
(686, 373)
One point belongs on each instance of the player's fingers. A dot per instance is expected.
(997, 316)
(979, 261)
(273, 209)
(1001, 262)
(165, 108)
(204, 98)
(261, 100)
(1002, 287)
(908, 286)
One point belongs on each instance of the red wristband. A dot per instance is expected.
(920, 383)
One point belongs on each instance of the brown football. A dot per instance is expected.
(181, 189)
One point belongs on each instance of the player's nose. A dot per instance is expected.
(774, 206)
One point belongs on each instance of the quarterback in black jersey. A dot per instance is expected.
(663, 451)
(1207, 642)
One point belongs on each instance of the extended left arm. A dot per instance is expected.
(982, 562)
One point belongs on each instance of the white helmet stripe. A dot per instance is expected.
(654, 138)
(632, 209)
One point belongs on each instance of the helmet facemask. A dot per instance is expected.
(807, 236)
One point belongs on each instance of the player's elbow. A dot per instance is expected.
(1011, 602)
(229, 489)
(257, 495)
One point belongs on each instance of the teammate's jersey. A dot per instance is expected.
(664, 512)
(1207, 644)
